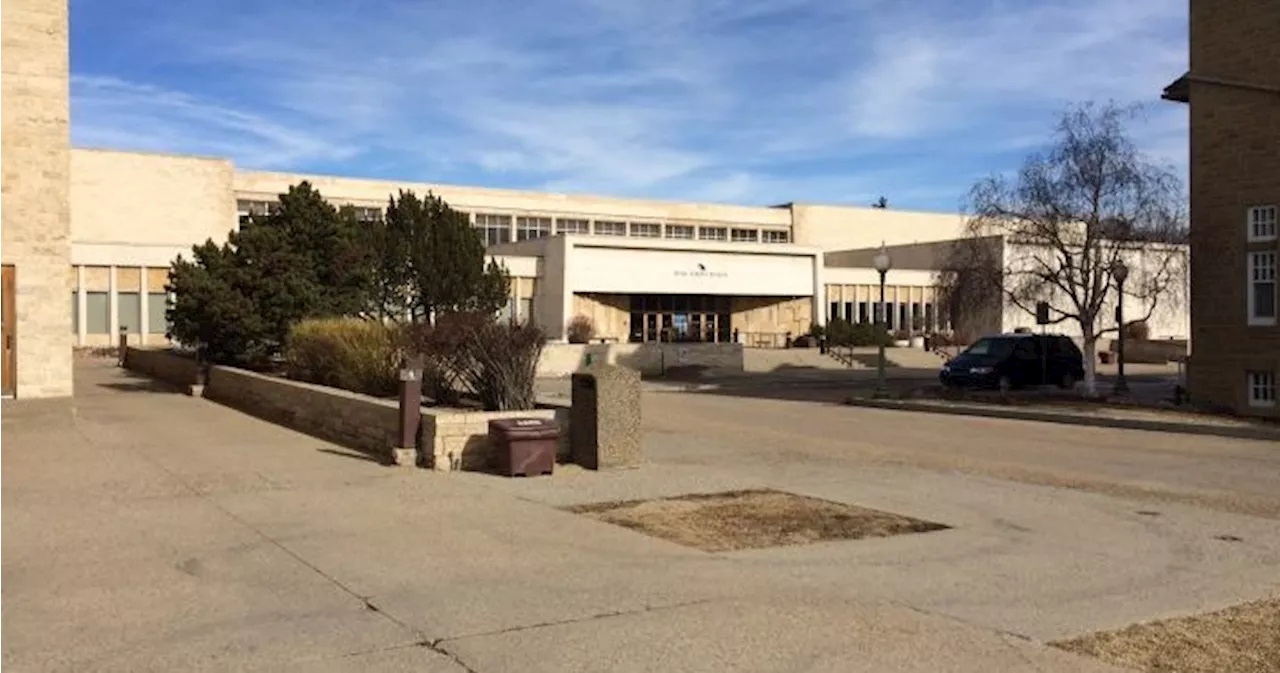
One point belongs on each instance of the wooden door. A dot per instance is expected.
(10, 363)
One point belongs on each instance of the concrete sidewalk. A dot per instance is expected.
(152, 531)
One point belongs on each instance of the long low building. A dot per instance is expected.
(642, 270)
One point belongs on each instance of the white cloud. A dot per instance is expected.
(730, 100)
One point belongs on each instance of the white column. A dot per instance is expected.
(819, 291)
(81, 308)
(144, 299)
(113, 306)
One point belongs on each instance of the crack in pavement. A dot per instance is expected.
(575, 620)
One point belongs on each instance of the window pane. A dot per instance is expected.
(1264, 300)
(862, 312)
(157, 302)
(129, 311)
(97, 316)
(646, 229)
(75, 312)
(526, 310)
(611, 228)
(745, 235)
(679, 231)
(572, 226)
(713, 233)
(835, 310)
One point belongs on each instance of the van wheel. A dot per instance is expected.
(1067, 382)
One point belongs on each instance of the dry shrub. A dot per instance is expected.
(468, 353)
(1137, 330)
(362, 356)
(580, 330)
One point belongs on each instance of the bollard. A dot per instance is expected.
(405, 451)
(124, 346)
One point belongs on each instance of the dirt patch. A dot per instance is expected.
(752, 519)
(1240, 639)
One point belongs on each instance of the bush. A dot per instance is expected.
(580, 330)
(841, 332)
(362, 356)
(1137, 330)
(473, 353)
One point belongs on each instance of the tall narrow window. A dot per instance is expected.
(97, 313)
(835, 311)
(1262, 223)
(848, 311)
(529, 228)
(129, 312)
(1262, 288)
(157, 303)
(1262, 389)
(863, 318)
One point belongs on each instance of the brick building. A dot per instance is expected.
(1233, 88)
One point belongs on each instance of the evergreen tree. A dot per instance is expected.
(303, 260)
(447, 266)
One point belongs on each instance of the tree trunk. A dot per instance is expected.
(1091, 366)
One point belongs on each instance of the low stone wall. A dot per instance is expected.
(353, 420)
(454, 439)
(650, 359)
(1153, 351)
(451, 439)
(163, 364)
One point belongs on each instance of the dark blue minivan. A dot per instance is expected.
(1015, 360)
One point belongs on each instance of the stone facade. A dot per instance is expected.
(353, 420)
(1234, 95)
(36, 181)
(459, 440)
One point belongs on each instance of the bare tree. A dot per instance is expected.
(1069, 217)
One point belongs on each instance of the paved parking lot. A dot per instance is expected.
(151, 531)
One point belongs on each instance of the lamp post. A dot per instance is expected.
(1120, 272)
(882, 264)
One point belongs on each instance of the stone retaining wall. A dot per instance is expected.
(353, 420)
(163, 364)
(459, 440)
(451, 439)
(650, 359)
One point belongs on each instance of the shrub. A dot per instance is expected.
(1137, 330)
(580, 330)
(841, 332)
(362, 356)
(472, 353)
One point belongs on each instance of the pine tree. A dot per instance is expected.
(447, 262)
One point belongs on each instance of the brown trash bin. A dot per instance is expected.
(524, 446)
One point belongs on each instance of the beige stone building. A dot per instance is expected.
(1233, 88)
(642, 270)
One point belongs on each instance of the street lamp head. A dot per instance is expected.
(881, 261)
(1120, 271)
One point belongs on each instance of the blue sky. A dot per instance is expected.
(739, 101)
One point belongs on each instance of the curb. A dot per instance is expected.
(1255, 433)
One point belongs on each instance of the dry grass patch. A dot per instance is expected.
(1241, 639)
(752, 519)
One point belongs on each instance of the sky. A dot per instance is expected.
(737, 101)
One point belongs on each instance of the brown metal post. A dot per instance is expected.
(410, 411)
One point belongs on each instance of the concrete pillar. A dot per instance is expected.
(144, 305)
(82, 330)
(113, 304)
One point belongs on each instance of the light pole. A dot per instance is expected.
(1120, 272)
(882, 264)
